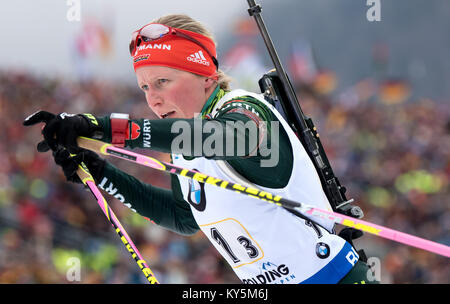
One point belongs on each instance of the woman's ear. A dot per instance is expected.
(209, 83)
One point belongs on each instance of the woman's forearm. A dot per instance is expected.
(157, 204)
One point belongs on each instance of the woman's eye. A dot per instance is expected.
(144, 87)
(162, 81)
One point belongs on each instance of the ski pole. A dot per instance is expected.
(394, 235)
(88, 180)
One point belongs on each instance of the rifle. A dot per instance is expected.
(278, 90)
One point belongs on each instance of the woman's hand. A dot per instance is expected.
(70, 163)
(63, 129)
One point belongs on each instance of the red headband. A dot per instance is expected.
(177, 52)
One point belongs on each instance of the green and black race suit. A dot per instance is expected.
(167, 207)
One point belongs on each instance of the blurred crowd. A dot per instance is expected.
(392, 158)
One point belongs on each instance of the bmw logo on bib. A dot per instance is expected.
(195, 192)
(196, 196)
(322, 250)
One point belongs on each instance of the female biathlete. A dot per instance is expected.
(174, 58)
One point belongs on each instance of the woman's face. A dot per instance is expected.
(172, 93)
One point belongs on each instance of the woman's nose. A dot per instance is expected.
(153, 100)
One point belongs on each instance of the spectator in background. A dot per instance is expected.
(393, 160)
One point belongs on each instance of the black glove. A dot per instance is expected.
(69, 164)
(63, 129)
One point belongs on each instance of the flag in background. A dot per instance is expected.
(244, 61)
(324, 82)
(394, 91)
(301, 62)
(92, 44)
(93, 39)
(380, 57)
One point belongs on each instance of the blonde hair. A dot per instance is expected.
(185, 22)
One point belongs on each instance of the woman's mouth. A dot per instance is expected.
(167, 114)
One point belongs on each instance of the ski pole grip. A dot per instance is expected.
(84, 175)
(93, 145)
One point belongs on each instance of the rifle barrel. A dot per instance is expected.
(255, 11)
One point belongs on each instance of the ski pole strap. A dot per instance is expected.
(307, 210)
(88, 180)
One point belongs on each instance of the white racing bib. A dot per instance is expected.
(262, 242)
